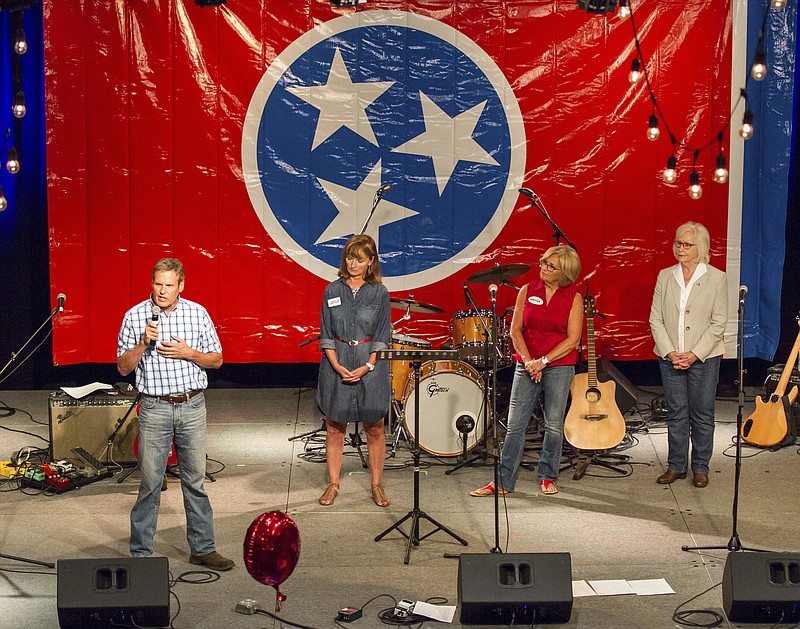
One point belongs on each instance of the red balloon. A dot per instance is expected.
(272, 548)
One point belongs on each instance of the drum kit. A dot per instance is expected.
(455, 390)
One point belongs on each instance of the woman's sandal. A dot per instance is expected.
(329, 495)
(548, 487)
(379, 496)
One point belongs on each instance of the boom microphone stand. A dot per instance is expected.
(734, 543)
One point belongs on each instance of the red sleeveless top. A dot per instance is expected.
(545, 325)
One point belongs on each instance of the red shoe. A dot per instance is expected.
(548, 487)
(487, 490)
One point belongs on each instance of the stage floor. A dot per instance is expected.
(614, 526)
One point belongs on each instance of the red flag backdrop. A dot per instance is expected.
(146, 131)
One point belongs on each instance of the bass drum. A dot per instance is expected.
(448, 390)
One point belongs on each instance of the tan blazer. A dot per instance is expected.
(705, 319)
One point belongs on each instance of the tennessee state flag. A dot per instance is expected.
(252, 139)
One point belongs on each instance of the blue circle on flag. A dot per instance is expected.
(384, 102)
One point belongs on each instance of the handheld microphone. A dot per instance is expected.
(61, 299)
(493, 291)
(527, 192)
(384, 188)
(466, 294)
(742, 292)
(156, 311)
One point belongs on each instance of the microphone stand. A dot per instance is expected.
(557, 234)
(734, 543)
(490, 348)
(14, 355)
(376, 200)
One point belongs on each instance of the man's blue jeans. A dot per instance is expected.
(159, 423)
(689, 395)
(524, 394)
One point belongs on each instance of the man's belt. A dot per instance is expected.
(180, 398)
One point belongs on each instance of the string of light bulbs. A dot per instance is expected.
(19, 45)
(757, 72)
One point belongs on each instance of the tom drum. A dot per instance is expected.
(401, 369)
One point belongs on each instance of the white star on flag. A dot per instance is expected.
(341, 103)
(447, 140)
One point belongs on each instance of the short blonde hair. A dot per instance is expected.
(701, 236)
(361, 243)
(570, 263)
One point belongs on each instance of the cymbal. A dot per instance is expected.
(414, 306)
(498, 273)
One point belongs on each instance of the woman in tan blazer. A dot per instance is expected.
(687, 320)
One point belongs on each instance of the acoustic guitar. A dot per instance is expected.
(593, 421)
(767, 426)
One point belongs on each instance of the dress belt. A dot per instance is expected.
(354, 342)
(180, 398)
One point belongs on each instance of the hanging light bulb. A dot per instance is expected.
(695, 190)
(18, 106)
(759, 68)
(721, 171)
(636, 71)
(746, 130)
(778, 4)
(669, 174)
(624, 8)
(3, 202)
(20, 45)
(12, 165)
(653, 132)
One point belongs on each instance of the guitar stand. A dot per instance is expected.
(601, 458)
(416, 514)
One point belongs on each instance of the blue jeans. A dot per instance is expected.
(524, 395)
(159, 424)
(689, 395)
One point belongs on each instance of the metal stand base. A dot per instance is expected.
(586, 458)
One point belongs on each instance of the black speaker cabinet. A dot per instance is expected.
(762, 587)
(522, 588)
(123, 591)
(625, 392)
(88, 423)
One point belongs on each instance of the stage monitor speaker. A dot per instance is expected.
(762, 587)
(515, 588)
(625, 392)
(88, 423)
(118, 592)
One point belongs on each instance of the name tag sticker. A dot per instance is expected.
(536, 301)
(334, 301)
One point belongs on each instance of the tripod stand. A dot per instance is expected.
(416, 514)
(734, 543)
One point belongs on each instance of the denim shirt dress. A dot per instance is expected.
(345, 318)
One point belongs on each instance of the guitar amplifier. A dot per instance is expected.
(89, 423)
(771, 383)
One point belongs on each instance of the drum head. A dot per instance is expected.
(401, 341)
(448, 391)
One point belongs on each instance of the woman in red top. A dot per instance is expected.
(546, 330)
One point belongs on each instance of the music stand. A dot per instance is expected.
(416, 514)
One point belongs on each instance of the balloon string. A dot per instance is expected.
(279, 598)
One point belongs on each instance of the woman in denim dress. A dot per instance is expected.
(353, 386)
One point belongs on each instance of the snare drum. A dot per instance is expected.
(448, 390)
(401, 369)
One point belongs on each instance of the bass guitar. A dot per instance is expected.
(767, 426)
(593, 421)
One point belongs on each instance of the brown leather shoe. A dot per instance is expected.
(670, 476)
(700, 479)
(212, 560)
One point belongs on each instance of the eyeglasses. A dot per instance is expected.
(544, 264)
(683, 245)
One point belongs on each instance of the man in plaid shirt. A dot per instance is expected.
(170, 342)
